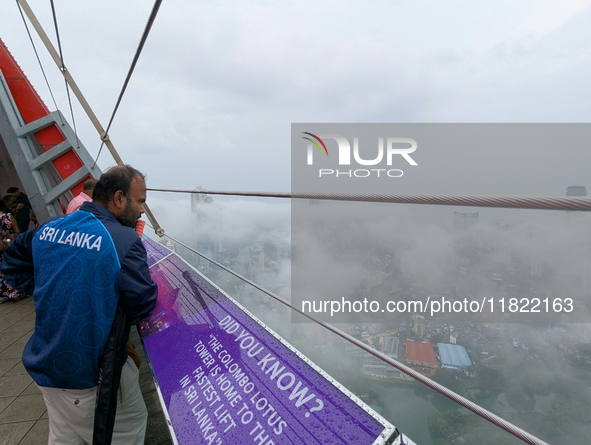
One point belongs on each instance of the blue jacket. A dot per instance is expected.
(80, 265)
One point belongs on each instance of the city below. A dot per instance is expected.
(536, 375)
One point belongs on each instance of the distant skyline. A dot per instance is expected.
(218, 85)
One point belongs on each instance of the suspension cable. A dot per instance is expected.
(59, 45)
(83, 102)
(38, 59)
(509, 202)
(476, 409)
(147, 29)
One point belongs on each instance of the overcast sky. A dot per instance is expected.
(219, 83)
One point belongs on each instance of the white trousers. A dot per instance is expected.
(71, 412)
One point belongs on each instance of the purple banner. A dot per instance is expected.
(225, 377)
(156, 252)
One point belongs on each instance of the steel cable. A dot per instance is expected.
(138, 51)
(38, 58)
(510, 202)
(63, 68)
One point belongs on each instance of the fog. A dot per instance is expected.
(538, 384)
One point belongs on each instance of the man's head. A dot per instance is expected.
(122, 191)
(13, 191)
(89, 186)
(9, 201)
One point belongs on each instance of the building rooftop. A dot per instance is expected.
(576, 190)
(453, 355)
(420, 352)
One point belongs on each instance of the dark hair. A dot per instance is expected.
(12, 190)
(8, 198)
(117, 178)
(90, 184)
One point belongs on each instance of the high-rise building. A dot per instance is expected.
(197, 201)
(465, 221)
(209, 217)
(576, 190)
(465, 242)
(418, 326)
(256, 259)
(535, 252)
(390, 346)
(502, 242)
(270, 250)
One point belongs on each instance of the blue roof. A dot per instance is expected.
(453, 355)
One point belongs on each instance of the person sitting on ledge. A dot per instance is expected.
(8, 232)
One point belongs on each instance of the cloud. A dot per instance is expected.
(246, 71)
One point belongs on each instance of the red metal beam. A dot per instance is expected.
(32, 107)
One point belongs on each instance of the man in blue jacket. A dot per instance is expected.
(84, 268)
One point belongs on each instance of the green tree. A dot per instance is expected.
(490, 379)
(445, 424)
(447, 378)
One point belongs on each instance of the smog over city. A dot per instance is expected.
(507, 289)
(403, 252)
